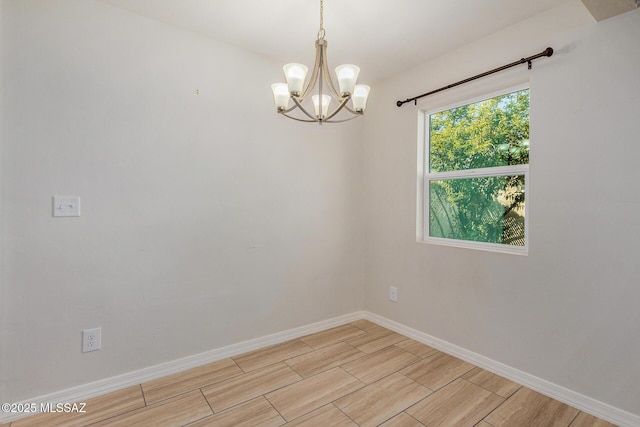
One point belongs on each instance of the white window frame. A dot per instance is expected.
(425, 176)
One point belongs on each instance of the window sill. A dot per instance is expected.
(479, 246)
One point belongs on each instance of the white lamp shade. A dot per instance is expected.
(347, 75)
(359, 98)
(295, 74)
(280, 95)
(326, 99)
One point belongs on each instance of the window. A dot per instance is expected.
(476, 167)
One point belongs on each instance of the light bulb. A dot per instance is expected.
(347, 75)
(359, 98)
(326, 100)
(280, 95)
(295, 74)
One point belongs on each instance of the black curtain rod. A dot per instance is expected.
(547, 52)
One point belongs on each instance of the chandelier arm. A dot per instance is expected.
(337, 110)
(342, 120)
(318, 121)
(352, 111)
(299, 105)
(325, 69)
(316, 69)
(289, 109)
(299, 119)
(320, 81)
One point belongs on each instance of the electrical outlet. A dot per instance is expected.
(393, 293)
(91, 339)
(66, 206)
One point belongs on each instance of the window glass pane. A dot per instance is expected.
(486, 209)
(493, 132)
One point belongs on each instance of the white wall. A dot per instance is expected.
(176, 189)
(567, 312)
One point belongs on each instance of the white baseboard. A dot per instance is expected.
(83, 392)
(584, 403)
(86, 391)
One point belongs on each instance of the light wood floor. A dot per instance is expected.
(359, 374)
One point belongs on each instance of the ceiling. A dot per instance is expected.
(382, 37)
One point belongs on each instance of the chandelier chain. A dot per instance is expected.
(321, 32)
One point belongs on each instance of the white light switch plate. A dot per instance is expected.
(393, 293)
(66, 206)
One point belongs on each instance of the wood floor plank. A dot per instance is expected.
(492, 382)
(323, 359)
(256, 412)
(176, 411)
(376, 339)
(241, 388)
(181, 382)
(269, 355)
(437, 370)
(328, 415)
(312, 393)
(372, 367)
(586, 420)
(364, 324)
(332, 336)
(382, 400)
(97, 409)
(483, 424)
(529, 408)
(460, 403)
(417, 348)
(402, 420)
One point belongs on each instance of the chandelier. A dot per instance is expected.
(321, 87)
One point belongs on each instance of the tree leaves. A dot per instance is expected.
(494, 132)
